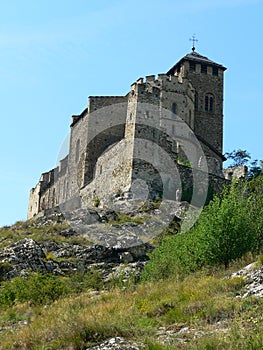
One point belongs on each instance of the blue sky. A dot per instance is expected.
(54, 54)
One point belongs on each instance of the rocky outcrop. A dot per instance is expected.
(116, 343)
(27, 256)
(117, 241)
(253, 278)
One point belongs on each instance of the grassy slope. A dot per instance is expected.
(206, 304)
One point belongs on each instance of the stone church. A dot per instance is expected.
(166, 127)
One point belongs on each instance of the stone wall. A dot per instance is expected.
(147, 135)
(236, 172)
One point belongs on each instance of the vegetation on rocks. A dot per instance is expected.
(229, 227)
(187, 296)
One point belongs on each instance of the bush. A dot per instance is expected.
(230, 226)
(41, 289)
(36, 288)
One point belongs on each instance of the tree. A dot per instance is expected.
(239, 157)
(228, 227)
(255, 169)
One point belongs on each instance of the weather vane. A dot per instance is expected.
(194, 40)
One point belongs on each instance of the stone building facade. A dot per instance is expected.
(151, 134)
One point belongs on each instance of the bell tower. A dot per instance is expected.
(207, 78)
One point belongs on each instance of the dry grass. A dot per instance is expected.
(137, 313)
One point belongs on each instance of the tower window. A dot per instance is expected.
(192, 66)
(209, 103)
(174, 108)
(204, 68)
(215, 71)
(196, 101)
(77, 151)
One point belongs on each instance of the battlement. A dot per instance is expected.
(192, 90)
(162, 81)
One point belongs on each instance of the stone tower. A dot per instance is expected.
(150, 136)
(207, 78)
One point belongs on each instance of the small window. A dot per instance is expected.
(146, 114)
(209, 103)
(192, 66)
(196, 101)
(174, 108)
(77, 151)
(204, 68)
(100, 169)
(215, 71)
(206, 103)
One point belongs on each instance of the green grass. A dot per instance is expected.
(200, 302)
(126, 218)
(10, 235)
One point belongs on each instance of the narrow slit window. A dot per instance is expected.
(174, 108)
(204, 69)
(77, 151)
(192, 66)
(209, 103)
(215, 71)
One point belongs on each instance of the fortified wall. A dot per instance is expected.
(165, 129)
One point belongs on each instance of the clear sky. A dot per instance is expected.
(54, 54)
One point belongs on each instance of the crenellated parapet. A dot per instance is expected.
(172, 110)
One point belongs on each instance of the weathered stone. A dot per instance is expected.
(112, 150)
(253, 277)
(116, 343)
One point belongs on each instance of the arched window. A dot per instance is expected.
(209, 103)
(77, 151)
(174, 108)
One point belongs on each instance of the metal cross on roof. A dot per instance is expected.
(194, 40)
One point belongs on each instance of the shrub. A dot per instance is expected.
(40, 289)
(227, 228)
(36, 288)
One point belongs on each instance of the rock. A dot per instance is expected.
(81, 216)
(27, 255)
(126, 257)
(116, 343)
(253, 277)
(24, 256)
(109, 215)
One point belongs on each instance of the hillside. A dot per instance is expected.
(60, 291)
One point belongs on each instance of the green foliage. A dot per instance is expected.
(229, 227)
(96, 201)
(4, 268)
(242, 157)
(39, 289)
(226, 226)
(238, 157)
(255, 169)
(124, 218)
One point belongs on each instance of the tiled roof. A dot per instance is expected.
(196, 57)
